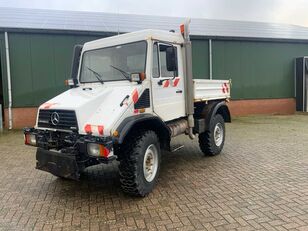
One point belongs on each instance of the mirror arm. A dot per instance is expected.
(160, 82)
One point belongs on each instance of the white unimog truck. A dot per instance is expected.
(129, 96)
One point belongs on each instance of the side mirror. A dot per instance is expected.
(171, 59)
(75, 64)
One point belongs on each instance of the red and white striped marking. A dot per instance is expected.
(48, 105)
(176, 81)
(225, 88)
(171, 83)
(89, 129)
(135, 96)
(166, 84)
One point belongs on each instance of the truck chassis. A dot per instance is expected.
(141, 112)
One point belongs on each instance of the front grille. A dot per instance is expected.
(67, 119)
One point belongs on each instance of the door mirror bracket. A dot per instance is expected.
(160, 82)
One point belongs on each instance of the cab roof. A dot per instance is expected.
(161, 35)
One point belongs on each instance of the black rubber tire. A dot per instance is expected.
(131, 160)
(206, 139)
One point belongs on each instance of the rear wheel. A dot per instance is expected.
(140, 163)
(212, 141)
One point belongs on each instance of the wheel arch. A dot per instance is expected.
(222, 109)
(208, 111)
(147, 122)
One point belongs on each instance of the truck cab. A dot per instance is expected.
(129, 96)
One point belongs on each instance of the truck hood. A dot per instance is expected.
(97, 106)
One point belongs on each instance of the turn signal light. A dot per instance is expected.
(30, 139)
(142, 76)
(97, 150)
(142, 110)
(115, 133)
(182, 28)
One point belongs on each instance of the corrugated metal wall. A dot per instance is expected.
(39, 65)
(259, 70)
(41, 62)
(200, 52)
(3, 66)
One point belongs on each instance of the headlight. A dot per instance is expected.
(30, 139)
(97, 150)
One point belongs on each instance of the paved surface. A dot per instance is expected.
(259, 182)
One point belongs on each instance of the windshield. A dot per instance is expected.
(113, 63)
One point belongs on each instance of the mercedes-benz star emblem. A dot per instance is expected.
(55, 118)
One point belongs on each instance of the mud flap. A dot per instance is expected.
(58, 164)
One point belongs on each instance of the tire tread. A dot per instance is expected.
(130, 151)
(206, 142)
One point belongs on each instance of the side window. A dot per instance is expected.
(160, 62)
(163, 62)
(155, 70)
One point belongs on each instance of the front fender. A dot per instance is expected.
(143, 121)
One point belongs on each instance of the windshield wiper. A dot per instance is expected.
(124, 73)
(97, 75)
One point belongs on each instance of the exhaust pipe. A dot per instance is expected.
(191, 126)
(188, 77)
(178, 127)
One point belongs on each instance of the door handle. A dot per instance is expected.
(179, 91)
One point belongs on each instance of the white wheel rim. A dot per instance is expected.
(218, 134)
(150, 163)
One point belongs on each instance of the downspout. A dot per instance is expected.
(9, 86)
(210, 59)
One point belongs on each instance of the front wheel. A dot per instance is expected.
(212, 141)
(140, 163)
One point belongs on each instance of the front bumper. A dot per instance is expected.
(58, 164)
(64, 154)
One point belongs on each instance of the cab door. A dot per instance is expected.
(167, 86)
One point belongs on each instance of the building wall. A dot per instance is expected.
(25, 117)
(2, 63)
(200, 53)
(2, 72)
(39, 65)
(259, 70)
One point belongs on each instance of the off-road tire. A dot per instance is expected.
(131, 159)
(206, 139)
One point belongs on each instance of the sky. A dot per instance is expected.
(279, 11)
